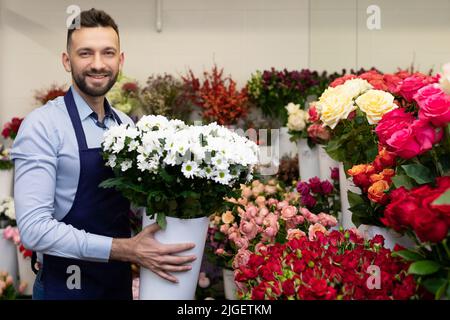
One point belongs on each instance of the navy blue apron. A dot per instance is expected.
(95, 210)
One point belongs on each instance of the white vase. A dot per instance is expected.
(308, 161)
(6, 183)
(152, 286)
(346, 185)
(391, 238)
(26, 275)
(229, 285)
(287, 147)
(8, 257)
(326, 163)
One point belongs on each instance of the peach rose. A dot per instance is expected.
(295, 234)
(228, 217)
(246, 192)
(270, 190)
(260, 201)
(313, 229)
(376, 192)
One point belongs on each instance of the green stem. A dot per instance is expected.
(444, 244)
(437, 163)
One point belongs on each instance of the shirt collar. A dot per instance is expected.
(83, 108)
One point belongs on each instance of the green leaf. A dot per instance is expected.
(424, 267)
(354, 198)
(161, 220)
(402, 181)
(407, 255)
(443, 199)
(419, 173)
(434, 284)
(441, 291)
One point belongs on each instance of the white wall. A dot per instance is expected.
(239, 35)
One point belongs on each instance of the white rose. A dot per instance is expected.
(297, 120)
(292, 108)
(355, 87)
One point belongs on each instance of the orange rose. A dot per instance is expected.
(376, 177)
(377, 191)
(358, 169)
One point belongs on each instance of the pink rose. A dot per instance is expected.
(259, 220)
(251, 212)
(272, 202)
(282, 204)
(434, 105)
(220, 251)
(317, 131)
(288, 212)
(224, 228)
(241, 242)
(313, 229)
(327, 220)
(248, 229)
(271, 220)
(392, 122)
(241, 258)
(295, 234)
(417, 139)
(263, 212)
(270, 232)
(409, 86)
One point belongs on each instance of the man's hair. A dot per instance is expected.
(91, 19)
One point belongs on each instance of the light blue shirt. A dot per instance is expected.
(47, 169)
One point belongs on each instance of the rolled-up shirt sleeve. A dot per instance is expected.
(35, 155)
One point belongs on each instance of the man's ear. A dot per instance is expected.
(121, 60)
(66, 62)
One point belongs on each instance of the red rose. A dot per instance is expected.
(313, 114)
(392, 122)
(288, 287)
(259, 292)
(314, 184)
(429, 225)
(342, 80)
(399, 213)
(375, 78)
(392, 82)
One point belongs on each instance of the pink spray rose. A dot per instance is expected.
(288, 212)
(248, 229)
(241, 258)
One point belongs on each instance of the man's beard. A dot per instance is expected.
(80, 80)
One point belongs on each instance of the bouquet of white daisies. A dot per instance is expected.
(177, 170)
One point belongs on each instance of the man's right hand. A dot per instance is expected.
(144, 250)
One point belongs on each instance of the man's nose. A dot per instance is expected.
(98, 63)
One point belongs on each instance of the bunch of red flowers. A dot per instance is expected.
(375, 179)
(414, 209)
(337, 266)
(52, 93)
(219, 97)
(10, 129)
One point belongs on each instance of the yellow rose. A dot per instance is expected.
(335, 104)
(375, 103)
(445, 79)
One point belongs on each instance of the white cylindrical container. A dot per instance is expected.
(308, 161)
(229, 285)
(152, 286)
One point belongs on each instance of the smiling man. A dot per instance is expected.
(80, 231)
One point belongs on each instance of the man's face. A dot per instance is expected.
(94, 59)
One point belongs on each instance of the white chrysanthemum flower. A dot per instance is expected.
(189, 169)
(125, 165)
(111, 161)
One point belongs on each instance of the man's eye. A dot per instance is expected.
(110, 53)
(84, 54)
